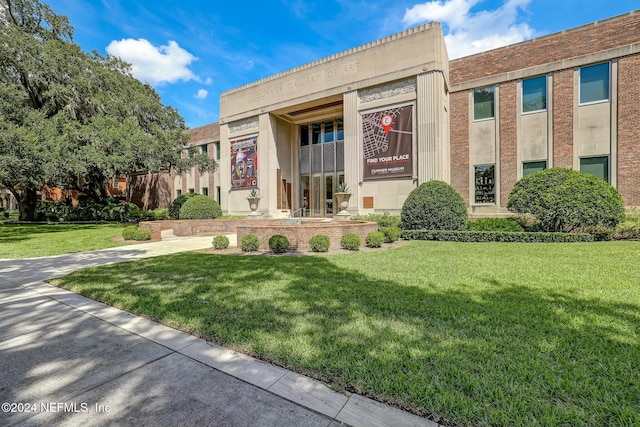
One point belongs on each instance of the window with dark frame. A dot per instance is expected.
(485, 184)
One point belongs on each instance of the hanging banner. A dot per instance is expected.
(388, 143)
(244, 163)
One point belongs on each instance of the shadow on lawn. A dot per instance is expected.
(506, 354)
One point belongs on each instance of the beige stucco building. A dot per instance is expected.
(296, 135)
(395, 113)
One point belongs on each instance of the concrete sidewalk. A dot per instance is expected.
(69, 360)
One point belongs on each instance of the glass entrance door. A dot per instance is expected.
(321, 166)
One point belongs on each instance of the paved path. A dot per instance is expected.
(69, 360)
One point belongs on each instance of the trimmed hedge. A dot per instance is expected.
(495, 224)
(250, 243)
(174, 207)
(567, 200)
(374, 239)
(142, 235)
(391, 234)
(220, 242)
(491, 236)
(200, 207)
(350, 241)
(319, 243)
(278, 243)
(434, 205)
(129, 233)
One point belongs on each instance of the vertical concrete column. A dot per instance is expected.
(352, 147)
(267, 165)
(225, 168)
(432, 128)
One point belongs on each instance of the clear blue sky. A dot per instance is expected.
(193, 50)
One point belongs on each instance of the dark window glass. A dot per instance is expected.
(315, 133)
(597, 166)
(304, 135)
(594, 83)
(530, 167)
(485, 186)
(534, 94)
(483, 103)
(340, 129)
(328, 131)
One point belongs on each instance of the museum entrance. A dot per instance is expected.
(321, 166)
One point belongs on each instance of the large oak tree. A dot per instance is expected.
(72, 119)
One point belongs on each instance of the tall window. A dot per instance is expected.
(203, 149)
(204, 191)
(597, 166)
(534, 94)
(217, 145)
(594, 83)
(484, 103)
(485, 185)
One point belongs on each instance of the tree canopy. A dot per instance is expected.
(72, 119)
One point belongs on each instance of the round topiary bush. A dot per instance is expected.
(250, 243)
(350, 241)
(434, 205)
(200, 207)
(174, 207)
(142, 235)
(566, 200)
(319, 243)
(278, 243)
(391, 234)
(129, 233)
(220, 242)
(374, 239)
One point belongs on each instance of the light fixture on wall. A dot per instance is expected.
(360, 183)
(415, 179)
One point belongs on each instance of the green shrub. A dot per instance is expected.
(200, 207)
(566, 200)
(278, 243)
(319, 243)
(220, 242)
(174, 207)
(142, 235)
(434, 205)
(391, 234)
(627, 230)
(374, 239)
(160, 214)
(495, 224)
(129, 233)
(350, 241)
(250, 243)
(496, 236)
(383, 220)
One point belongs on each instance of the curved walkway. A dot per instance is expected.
(68, 360)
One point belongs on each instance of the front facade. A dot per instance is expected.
(388, 116)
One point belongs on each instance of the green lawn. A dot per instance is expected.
(463, 333)
(34, 240)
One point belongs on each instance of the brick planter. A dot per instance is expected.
(298, 234)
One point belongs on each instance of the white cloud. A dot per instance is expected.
(202, 94)
(473, 32)
(209, 81)
(163, 64)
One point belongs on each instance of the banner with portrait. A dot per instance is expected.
(244, 163)
(388, 143)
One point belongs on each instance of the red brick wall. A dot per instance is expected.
(629, 130)
(563, 119)
(508, 140)
(459, 137)
(607, 34)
